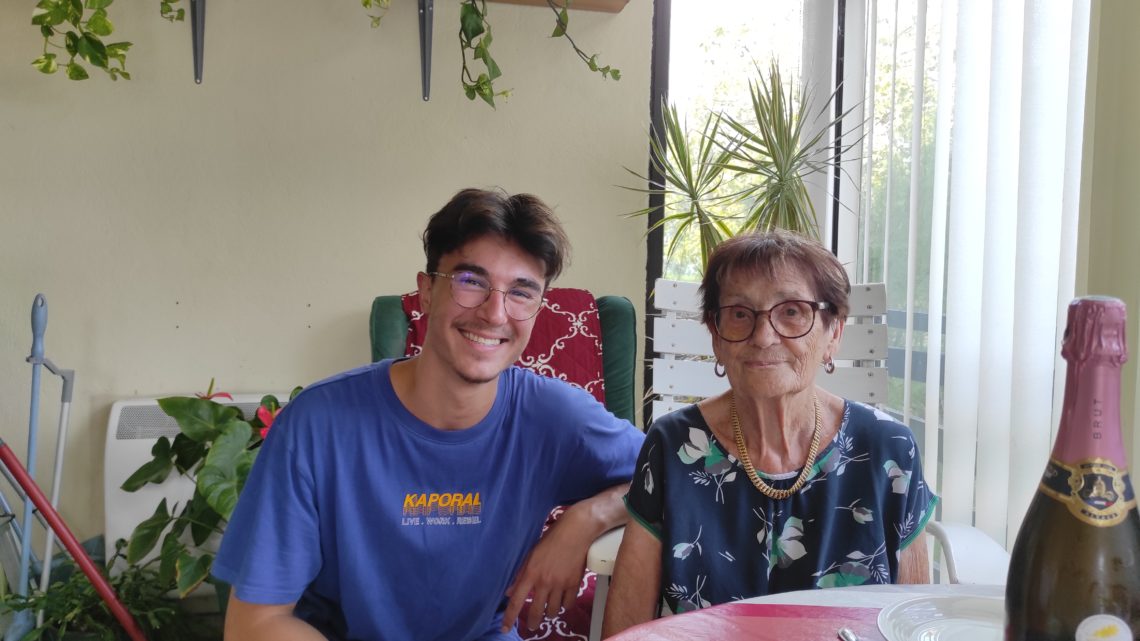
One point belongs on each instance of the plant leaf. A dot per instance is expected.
(493, 70)
(485, 90)
(470, 21)
(76, 72)
(226, 468)
(192, 571)
(74, 10)
(49, 13)
(199, 419)
(99, 25)
(560, 25)
(186, 452)
(146, 534)
(172, 548)
(71, 42)
(153, 471)
(91, 48)
(118, 51)
(203, 519)
(46, 63)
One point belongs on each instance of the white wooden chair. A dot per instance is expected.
(683, 374)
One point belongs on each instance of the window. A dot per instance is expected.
(714, 51)
(963, 199)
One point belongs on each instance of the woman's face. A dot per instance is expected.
(766, 364)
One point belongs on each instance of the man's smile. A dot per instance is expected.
(482, 340)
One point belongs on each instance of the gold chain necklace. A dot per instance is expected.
(746, 461)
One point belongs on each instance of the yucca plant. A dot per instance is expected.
(736, 174)
(692, 176)
(773, 148)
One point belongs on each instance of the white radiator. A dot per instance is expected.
(132, 431)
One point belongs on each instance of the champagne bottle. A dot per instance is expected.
(1075, 567)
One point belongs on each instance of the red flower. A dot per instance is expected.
(266, 416)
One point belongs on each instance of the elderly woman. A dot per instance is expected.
(776, 484)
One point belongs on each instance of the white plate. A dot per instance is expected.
(945, 618)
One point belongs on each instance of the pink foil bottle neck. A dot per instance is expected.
(1095, 348)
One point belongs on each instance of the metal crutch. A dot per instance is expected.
(22, 621)
(11, 534)
(68, 377)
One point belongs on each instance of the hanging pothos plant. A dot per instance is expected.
(79, 27)
(475, 41)
(82, 28)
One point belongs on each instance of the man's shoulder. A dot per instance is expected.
(529, 383)
(532, 396)
(340, 389)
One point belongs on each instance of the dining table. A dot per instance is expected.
(818, 615)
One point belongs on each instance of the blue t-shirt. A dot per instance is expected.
(722, 540)
(382, 527)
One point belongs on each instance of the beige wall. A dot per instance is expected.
(239, 229)
(1113, 226)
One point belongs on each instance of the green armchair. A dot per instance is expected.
(388, 331)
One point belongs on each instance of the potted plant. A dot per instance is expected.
(215, 448)
(739, 174)
(74, 611)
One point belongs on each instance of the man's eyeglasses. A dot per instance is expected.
(471, 290)
(790, 319)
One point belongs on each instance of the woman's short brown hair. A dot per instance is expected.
(762, 254)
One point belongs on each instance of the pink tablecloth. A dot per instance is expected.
(759, 622)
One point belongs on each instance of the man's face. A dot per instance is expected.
(477, 344)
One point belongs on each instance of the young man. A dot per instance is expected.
(403, 500)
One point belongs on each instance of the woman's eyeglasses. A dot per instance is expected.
(471, 290)
(790, 319)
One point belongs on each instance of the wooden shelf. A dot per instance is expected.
(608, 6)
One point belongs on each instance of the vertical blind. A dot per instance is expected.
(991, 144)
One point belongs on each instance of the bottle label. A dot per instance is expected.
(1103, 627)
(1094, 490)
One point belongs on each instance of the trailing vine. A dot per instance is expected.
(82, 29)
(475, 42)
(381, 6)
(475, 37)
(83, 25)
(562, 21)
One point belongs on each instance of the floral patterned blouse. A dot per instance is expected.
(722, 540)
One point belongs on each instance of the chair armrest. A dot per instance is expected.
(971, 555)
(603, 552)
(387, 328)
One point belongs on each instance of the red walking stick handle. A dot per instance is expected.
(68, 539)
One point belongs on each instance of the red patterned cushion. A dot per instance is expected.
(566, 343)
